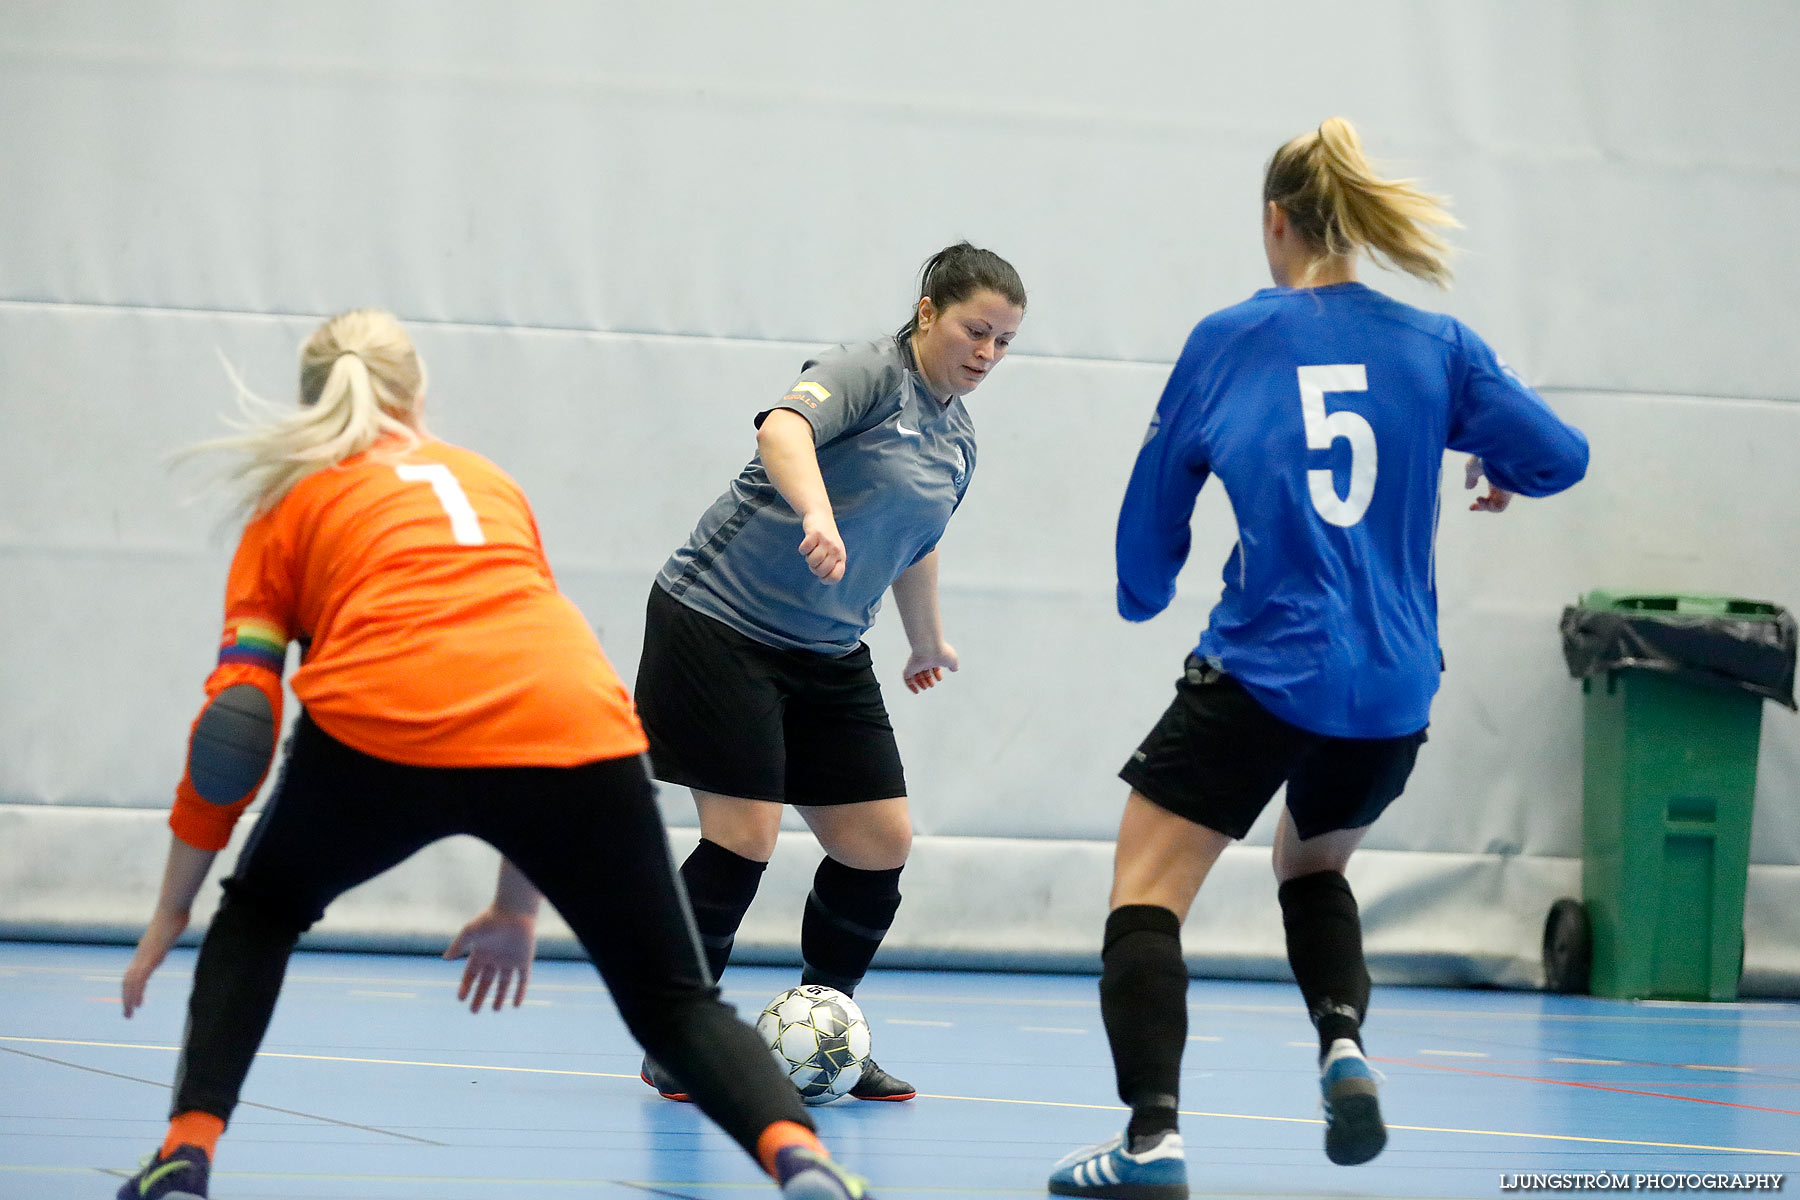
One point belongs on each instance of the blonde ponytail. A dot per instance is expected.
(360, 381)
(1329, 190)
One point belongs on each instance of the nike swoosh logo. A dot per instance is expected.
(151, 1179)
(905, 430)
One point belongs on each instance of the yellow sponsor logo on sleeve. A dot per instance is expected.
(809, 393)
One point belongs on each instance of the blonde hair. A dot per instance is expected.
(360, 381)
(1336, 201)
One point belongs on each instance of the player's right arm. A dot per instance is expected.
(231, 742)
(831, 397)
(500, 942)
(785, 442)
(1154, 536)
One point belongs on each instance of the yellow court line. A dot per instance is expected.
(74, 1042)
(1727, 1011)
(401, 1062)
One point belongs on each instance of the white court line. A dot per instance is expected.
(1710, 1067)
(383, 995)
(1203, 1037)
(1501, 1133)
(1458, 1053)
(1591, 1062)
(1498, 1133)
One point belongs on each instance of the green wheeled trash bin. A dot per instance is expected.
(1672, 688)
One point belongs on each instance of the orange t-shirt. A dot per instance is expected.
(431, 627)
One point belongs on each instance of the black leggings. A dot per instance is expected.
(590, 837)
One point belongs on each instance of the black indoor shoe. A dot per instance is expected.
(877, 1084)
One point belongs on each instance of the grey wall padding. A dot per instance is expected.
(616, 231)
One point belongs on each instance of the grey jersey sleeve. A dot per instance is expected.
(839, 391)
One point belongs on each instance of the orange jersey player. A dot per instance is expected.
(433, 632)
(446, 688)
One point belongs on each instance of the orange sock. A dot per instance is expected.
(194, 1129)
(779, 1137)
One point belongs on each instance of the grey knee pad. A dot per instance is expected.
(233, 742)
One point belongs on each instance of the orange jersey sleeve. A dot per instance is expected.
(259, 598)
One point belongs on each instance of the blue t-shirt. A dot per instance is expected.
(896, 463)
(1326, 412)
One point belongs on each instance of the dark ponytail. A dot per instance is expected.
(957, 272)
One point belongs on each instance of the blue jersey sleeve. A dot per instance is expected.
(1524, 447)
(1153, 537)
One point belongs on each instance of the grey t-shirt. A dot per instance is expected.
(896, 463)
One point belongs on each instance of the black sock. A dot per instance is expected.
(720, 886)
(847, 915)
(1325, 948)
(1148, 1124)
(1143, 1000)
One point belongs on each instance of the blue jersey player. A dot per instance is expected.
(1325, 409)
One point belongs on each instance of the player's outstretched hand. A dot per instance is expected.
(823, 547)
(500, 946)
(1496, 499)
(152, 948)
(926, 669)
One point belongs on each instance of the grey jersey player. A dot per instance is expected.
(894, 460)
(755, 687)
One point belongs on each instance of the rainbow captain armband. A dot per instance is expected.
(256, 642)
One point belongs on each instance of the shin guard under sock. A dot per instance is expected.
(1143, 1000)
(720, 886)
(847, 915)
(1325, 949)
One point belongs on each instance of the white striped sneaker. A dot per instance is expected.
(1109, 1171)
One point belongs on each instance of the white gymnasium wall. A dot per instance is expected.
(616, 230)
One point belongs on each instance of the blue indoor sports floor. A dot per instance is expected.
(373, 1083)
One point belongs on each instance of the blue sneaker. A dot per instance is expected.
(1111, 1172)
(1353, 1129)
(808, 1175)
(179, 1176)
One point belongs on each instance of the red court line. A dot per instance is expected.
(1597, 1087)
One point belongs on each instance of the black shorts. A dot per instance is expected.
(1217, 757)
(727, 714)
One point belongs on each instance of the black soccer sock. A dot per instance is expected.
(847, 915)
(1143, 1000)
(1325, 948)
(720, 886)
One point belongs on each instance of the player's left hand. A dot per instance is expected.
(500, 945)
(1496, 499)
(925, 669)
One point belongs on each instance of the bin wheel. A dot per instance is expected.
(1568, 948)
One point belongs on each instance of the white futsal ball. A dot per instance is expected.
(819, 1037)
